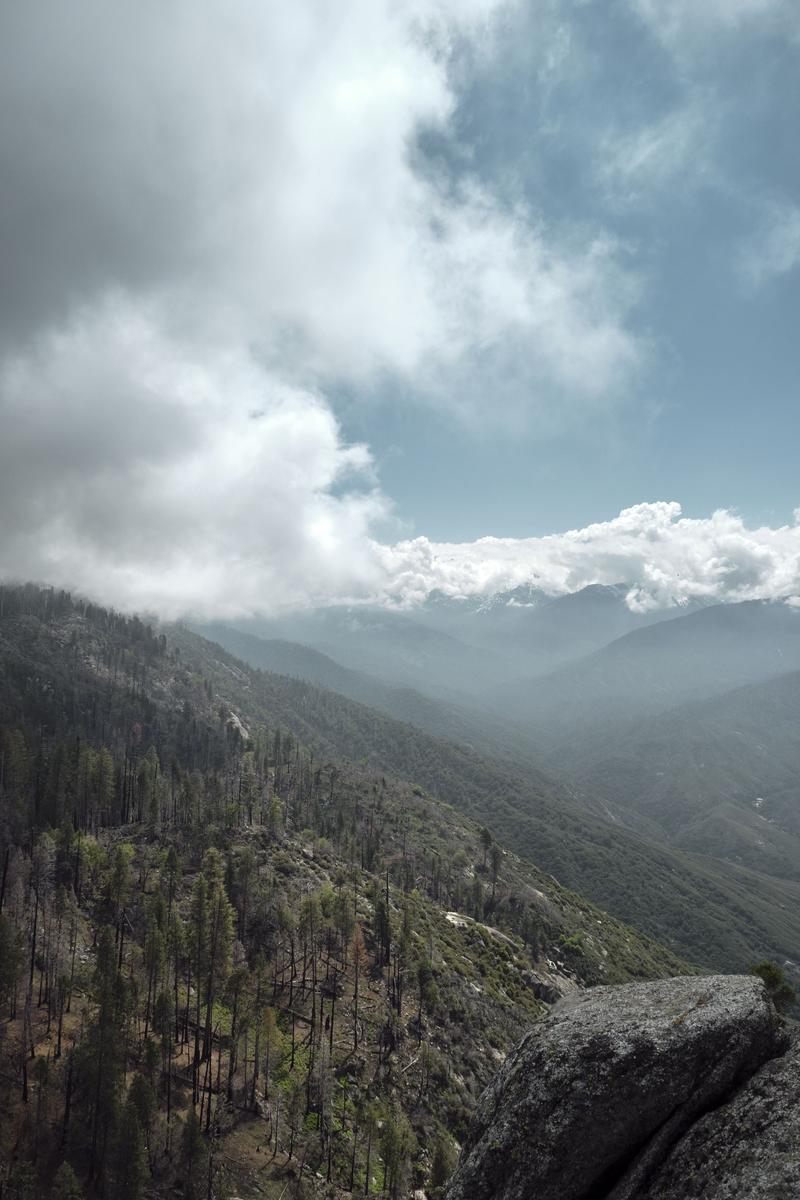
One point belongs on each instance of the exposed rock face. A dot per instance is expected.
(596, 1097)
(748, 1148)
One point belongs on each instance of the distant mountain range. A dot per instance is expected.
(395, 647)
(655, 773)
(650, 670)
(542, 631)
(454, 647)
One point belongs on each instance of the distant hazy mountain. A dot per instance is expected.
(439, 717)
(395, 647)
(650, 670)
(448, 611)
(456, 647)
(542, 630)
(719, 776)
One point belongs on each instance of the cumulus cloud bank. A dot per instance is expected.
(213, 215)
(167, 496)
(212, 219)
(664, 557)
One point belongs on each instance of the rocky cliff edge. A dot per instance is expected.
(655, 1091)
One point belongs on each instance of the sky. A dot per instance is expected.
(315, 303)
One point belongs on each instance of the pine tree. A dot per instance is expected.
(130, 1157)
(154, 954)
(358, 954)
(398, 1145)
(779, 990)
(142, 1100)
(100, 1060)
(220, 937)
(65, 1184)
(10, 959)
(236, 999)
(426, 986)
(198, 938)
(193, 1157)
(441, 1166)
(497, 858)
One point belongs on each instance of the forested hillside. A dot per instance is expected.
(706, 909)
(720, 776)
(470, 725)
(231, 960)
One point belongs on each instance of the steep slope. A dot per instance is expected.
(72, 671)
(718, 776)
(474, 728)
(651, 670)
(708, 911)
(704, 909)
(317, 962)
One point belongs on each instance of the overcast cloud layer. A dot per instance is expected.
(213, 218)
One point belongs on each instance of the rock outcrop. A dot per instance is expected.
(612, 1095)
(748, 1149)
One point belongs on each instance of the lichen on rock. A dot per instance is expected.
(596, 1096)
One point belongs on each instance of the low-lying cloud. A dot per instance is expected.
(664, 557)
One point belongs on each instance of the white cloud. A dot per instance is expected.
(539, 331)
(637, 164)
(774, 249)
(254, 167)
(664, 557)
(218, 489)
(216, 210)
(206, 486)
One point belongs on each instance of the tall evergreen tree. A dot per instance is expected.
(129, 1155)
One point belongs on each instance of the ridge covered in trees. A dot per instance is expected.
(233, 963)
(722, 914)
